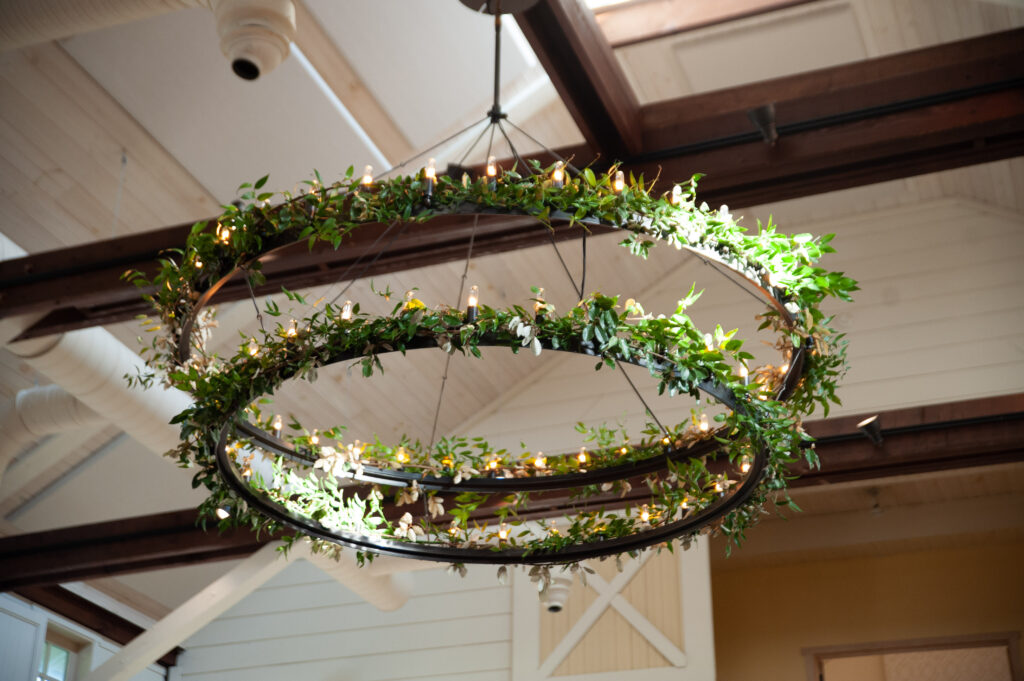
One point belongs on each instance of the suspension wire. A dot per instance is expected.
(717, 269)
(583, 276)
(426, 151)
(252, 295)
(546, 148)
(489, 126)
(448, 359)
(515, 152)
(375, 258)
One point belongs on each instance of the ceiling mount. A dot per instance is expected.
(499, 6)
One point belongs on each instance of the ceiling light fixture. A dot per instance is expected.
(484, 505)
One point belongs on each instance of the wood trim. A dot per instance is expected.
(586, 73)
(341, 77)
(638, 22)
(816, 656)
(91, 616)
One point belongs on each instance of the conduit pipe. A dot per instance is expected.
(37, 412)
(255, 35)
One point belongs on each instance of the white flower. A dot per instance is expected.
(792, 307)
(435, 506)
(408, 495)
(406, 528)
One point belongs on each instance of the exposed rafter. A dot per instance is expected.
(637, 22)
(923, 111)
(939, 437)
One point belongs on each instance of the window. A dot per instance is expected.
(60, 657)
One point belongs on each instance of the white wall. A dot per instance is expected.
(304, 624)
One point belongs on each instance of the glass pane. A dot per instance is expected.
(57, 662)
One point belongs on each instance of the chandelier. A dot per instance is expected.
(476, 503)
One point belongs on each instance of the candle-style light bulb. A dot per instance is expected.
(367, 176)
(472, 303)
(199, 263)
(503, 532)
(402, 455)
(314, 439)
(292, 331)
(540, 461)
(539, 305)
(254, 348)
(582, 456)
(645, 515)
(744, 374)
(619, 183)
(745, 466)
(346, 311)
(278, 424)
(223, 513)
(492, 173)
(430, 177)
(558, 175)
(704, 425)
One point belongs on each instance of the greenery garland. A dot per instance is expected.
(675, 352)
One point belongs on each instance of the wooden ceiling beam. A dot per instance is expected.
(586, 73)
(929, 110)
(963, 434)
(638, 22)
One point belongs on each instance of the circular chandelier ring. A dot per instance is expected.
(496, 556)
(765, 291)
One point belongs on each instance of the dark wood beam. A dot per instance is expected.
(586, 73)
(963, 434)
(91, 616)
(928, 110)
(637, 22)
(111, 548)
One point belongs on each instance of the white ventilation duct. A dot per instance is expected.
(37, 412)
(91, 364)
(255, 35)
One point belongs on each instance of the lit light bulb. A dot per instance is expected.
(367, 176)
(492, 166)
(677, 195)
(493, 464)
(430, 175)
(346, 311)
(744, 374)
(645, 515)
(582, 456)
(254, 348)
(745, 466)
(472, 303)
(453, 530)
(278, 424)
(784, 368)
(666, 441)
(558, 175)
(292, 331)
(619, 183)
(314, 438)
(685, 503)
(503, 532)
(402, 456)
(223, 513)
(540, 461)
(718, 486)
(199, 263)
(446, 462)
(624, 450)
(704, 425)
(247, 473)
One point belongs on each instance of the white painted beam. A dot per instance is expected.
(192, 615)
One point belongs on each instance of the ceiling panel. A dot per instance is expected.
(169, 74)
